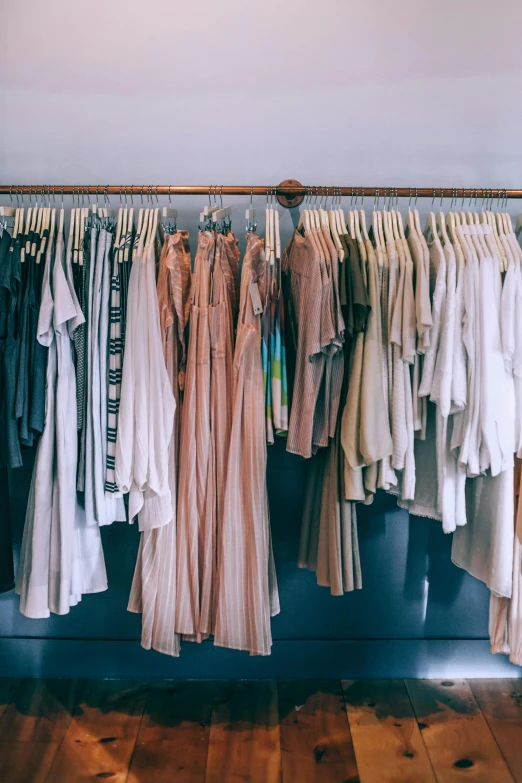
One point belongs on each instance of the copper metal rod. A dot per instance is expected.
(260, 190)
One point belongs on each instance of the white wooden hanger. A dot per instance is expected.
(84, 216)
(382, 242)
(120, 239)
(443, 230)
(153, 226)
(304, 217)
(375, 229)
(72, 221)
(431, 227)
(417, 221)
(268, 228)
(333, 221)
(386, 219)
(364, 230)
(16, 222)
(357, 225)
(76, 247)
(61, 221)
(52, 225)
(32, 229)
(277, 236)
(272, 235)
(43, 227)
(341, 220)
(411, 227)
(337, 227)
(130, 227)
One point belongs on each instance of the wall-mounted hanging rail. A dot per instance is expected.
(289, 193)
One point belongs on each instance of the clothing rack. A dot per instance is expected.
(289, 193)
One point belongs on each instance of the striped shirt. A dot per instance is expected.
(115, 365)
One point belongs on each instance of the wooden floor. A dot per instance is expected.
(327, 731)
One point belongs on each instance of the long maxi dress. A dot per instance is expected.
(205, 432)
(153, 590)
(248, 589)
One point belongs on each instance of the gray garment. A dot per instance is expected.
(11, 455)
(86, 309)
(484, 546)
(81, 277)
(38, 362)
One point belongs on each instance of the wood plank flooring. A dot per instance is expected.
(262, 731)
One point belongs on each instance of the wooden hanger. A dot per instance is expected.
(364, 230)
(130, 231)
(431, 227)
(388, 232)
(272, 236)
(382, 242)
(277, 235)
(443, 230)
(375, 230)
(71, 227)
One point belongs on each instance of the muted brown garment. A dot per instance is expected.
(222, 312)
(248, 590)
(154, 589)
(194, 454)
(304, 284)
(329, 538)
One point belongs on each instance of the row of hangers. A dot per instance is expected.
(32, 227)
(387, 224)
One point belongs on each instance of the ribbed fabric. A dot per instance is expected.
(302, 264)
(205, 432)
(246, 597)
(153, 590)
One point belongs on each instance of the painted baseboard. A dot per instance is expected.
(386, 658)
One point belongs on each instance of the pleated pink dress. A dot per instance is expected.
(247, 594)
(205, 433)
(154, 586)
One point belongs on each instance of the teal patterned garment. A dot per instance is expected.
(273, 357)
(267, 369)
(278, 367)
